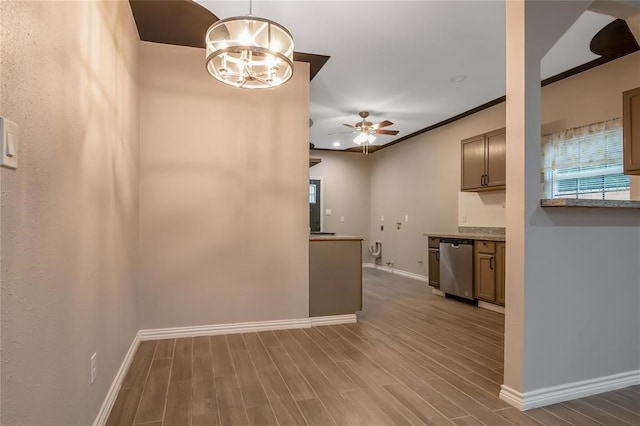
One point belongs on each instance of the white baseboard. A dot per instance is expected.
(206, 330)
(243, 327)
(396, 271)
(233, 328)
(491, 307)
(333, 320)
(112, 394)
(554, 394)
(438, 292)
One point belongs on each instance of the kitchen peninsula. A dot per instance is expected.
(335, 275)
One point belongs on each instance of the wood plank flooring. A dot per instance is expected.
(412, 359)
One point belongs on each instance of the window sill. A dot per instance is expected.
(572, 202)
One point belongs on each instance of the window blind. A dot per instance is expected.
(585, 162)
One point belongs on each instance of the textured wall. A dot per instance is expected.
(345, 179)
(69, 212)
(581, 275)
(427, 184)
(421, 178)
(223, 195)
(481, 208)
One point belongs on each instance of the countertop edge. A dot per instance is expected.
(572, 202)
(484, 237)
(334, 238)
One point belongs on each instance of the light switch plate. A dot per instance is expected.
(9, 143)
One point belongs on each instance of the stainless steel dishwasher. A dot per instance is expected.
(456, 267)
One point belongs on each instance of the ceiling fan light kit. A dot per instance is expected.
(249, 52)
(364, 137)
(367, 129)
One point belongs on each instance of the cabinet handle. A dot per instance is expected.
(491, 262)
(486, 180)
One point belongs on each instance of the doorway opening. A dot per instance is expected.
(315, 205)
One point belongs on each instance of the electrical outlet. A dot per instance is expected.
(94, 367)
(382, 218)
(406, 218)
(341, 218)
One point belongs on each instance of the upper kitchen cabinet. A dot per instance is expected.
(631, 131)
(484, 162)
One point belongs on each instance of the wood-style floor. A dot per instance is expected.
(413, 358)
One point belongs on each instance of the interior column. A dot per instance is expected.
(532, 27)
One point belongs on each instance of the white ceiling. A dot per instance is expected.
(396, 58)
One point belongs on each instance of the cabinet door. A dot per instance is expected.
(496, 169)
(500, 266)
(434, 268)
(434, 242)
(473, 152)
(631, 131)
(485, 281)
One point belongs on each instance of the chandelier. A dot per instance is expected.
(249, 52)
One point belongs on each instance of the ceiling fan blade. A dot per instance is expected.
(381, 124)
(386, 132)
(349, 125)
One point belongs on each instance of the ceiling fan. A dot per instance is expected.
(367, 129)
(365, 126)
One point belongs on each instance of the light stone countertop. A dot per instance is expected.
(469, 236)
(334, 238)
(472, 233)
(572, 202)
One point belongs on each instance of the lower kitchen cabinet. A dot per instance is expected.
(434, 262)
(500, 266)
(434, 268)
(489, 271)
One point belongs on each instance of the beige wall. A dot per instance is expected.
(572, 275)
(576, 101)
(483, 209)
(345, 180)
(591, 97)
(427, 183)
(223, 195)
(70, 211)
(421, 178)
